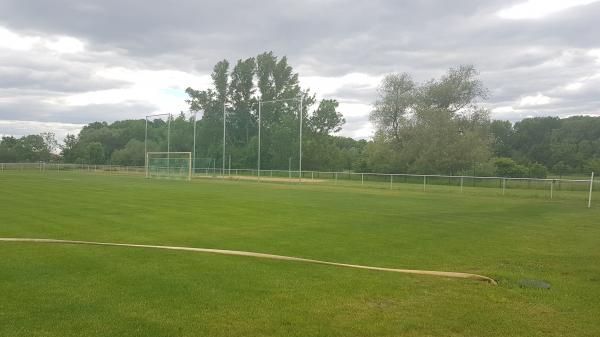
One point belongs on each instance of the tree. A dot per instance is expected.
(395, 100)
(94, 153)
(456, 90)
(502, 133)
(422, 124)
(326, 119)
(506, 167)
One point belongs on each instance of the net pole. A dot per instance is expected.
(190, 167)
(300, 148)
(224, 119)
(258, 164)
(168, 143)
(591, 188)
(194, 146)
(146, 146)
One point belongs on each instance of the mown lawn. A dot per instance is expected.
(68, 290)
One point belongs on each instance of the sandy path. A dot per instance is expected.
(262, 178)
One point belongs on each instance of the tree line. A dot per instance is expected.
(438, 126)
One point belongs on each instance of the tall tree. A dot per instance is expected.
(396, 98)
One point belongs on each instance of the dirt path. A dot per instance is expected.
(264, 178)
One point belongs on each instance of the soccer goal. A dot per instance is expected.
(175, 165)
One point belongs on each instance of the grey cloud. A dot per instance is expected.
(39, 111)
(516, 58)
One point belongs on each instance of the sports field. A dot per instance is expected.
(80, 290)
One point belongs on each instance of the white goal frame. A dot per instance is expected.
(168, 157)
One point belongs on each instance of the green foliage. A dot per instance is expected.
(31, 148)
(132, 154)
(433, 127)
(94, 153)
(506, 167)
(561, 168)
(275, 80)
(537, 170)
(592, 165)
(565, 145)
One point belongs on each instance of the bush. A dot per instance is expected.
(506, 167)
(561, 168)
(538, 171)
(592, 166)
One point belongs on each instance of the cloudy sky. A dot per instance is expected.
(65, 63)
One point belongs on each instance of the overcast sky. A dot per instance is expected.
(64, 63)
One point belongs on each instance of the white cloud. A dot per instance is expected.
(21, 42)
(14, 41)
(164, 89)
(534, 100)
(65, 44)
(17, 128)
(503, 109)
(535, 9)
(324, 86)
(574, 86)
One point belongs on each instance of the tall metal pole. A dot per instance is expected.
(146, 147)
(168, 144)
(194, 147)
(223, 170)
(300, 149)
(259, 122)
(591, 188)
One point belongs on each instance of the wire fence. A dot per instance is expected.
(584, 190)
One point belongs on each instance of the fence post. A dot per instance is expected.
(461, 184)
(551, 188)
(591, 188)
(312, 175)
(362, 178)
(503, 185)
(336, 178)
(424, 182)
(391, 181)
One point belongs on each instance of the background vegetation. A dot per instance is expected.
(438, 126)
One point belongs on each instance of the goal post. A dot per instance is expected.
(175, 165)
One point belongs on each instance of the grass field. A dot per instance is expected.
(69, 290)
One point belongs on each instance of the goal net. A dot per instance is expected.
(175, 165)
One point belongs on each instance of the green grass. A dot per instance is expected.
(67, 290)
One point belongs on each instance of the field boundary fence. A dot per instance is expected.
(551, 188)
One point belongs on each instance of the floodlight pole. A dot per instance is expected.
(301, 115)
(259, 122)
(224, 119)
(169, 144)
(591, 188)
(194, 147)
(146, 147)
